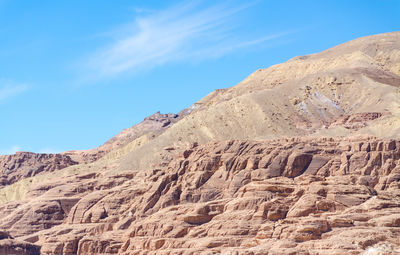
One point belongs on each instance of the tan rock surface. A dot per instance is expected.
(153, 126)
(9, 245)
(233, 176)
(22, 165)
(301, 97)
(222, 197)
(26, 164)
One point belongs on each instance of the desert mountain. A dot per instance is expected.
(299, 158)
(352, 89)
(27, 164)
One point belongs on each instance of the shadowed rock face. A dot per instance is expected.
(294, 195)
(155, 122)
(299, 158)
(10, 246)
(26, 164)
(153, 126)
(21, 165)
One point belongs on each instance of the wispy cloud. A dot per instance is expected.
(9, 88)
(12, 150)
(182, 32)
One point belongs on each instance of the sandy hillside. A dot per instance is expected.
(299, 158)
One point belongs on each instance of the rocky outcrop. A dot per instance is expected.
(155, 122)
(10, 246)
(151, 126)
(26, 164)
(358, 120)
(310, 196)
(234, 177)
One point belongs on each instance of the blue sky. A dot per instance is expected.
(75, 73)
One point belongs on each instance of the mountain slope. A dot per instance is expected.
(301, 97)
(22, 165)
(299, 158)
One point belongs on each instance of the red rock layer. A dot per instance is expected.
(21, 165)
(10, 246)
(291, 196)
(26, 164)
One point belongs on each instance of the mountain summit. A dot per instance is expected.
(299, 158)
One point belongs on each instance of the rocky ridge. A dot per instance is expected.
(10, 246)
(231, 175)
(301, 97)
(308, 196)
(27, 164)
(22, 165)
(152, 126)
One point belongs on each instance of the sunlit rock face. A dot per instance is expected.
(299, 158)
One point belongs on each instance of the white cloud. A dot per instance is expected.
(11, 150)
(180, 33)
(10, 88)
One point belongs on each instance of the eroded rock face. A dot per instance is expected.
(153, 125)
(232, 194)
(358, 120)
(21, 165)
(26, 164)
(10, 246)
(308, 196)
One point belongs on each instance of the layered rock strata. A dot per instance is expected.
(21, 165)
(289, 196)
(26, 164)
(14, 247)
(223, 176)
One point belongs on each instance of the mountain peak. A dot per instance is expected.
(299, 158)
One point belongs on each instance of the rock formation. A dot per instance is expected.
(151, 127)
(26, 164)
(299, 158)
(10, 246)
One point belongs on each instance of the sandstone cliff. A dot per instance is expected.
(27, 164)
(300, 158)
(314, 196)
